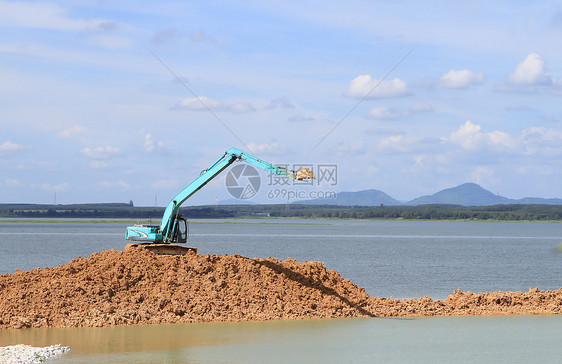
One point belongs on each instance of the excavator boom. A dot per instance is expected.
(173, 228)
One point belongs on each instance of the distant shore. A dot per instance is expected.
(257, 221)
(496, 213)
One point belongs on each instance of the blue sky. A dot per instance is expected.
(87, 112)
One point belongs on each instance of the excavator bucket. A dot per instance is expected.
(305, 173)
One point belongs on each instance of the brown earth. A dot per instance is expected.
(139, 287)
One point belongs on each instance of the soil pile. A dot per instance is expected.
(139, 287)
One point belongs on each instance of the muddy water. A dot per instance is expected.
(521, 339)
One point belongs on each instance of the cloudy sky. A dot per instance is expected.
(89, 111)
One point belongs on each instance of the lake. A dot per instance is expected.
(398, 259)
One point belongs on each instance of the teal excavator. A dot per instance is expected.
(173, 228)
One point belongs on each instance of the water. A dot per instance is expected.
(396, 259)
(518, 339)
(389, 258)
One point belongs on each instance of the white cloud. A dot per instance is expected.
(42, 16)
(299, 118)
(165, 35)
(101, 153)
(100, 156)
(198, 104)
(385, 113)
(73, 130)
(531, 141)
(95, 164)
(373, 170)
(166, 184)
(453, 79)
(280, 103)
(8, 147)
(268, 148)
(61, 187)
(201, 36)
(364, 85)
(382, 113)
(240, 108)
(471, 137)
(530, 75)
(151, 145)
(10, 182)
(112, 185)
(384, 131)
(202, 103)
(460, 79)
(484, 175)
(397, 144)
(108, 26)
(348, 149)
(111, 41)
(421, 107)
(420, 160)
(531, 71)
(539, 140)
(553, 118)
(122, 184)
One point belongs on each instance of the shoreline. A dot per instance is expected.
(259, 220)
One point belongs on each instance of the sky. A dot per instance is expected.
(118, 101)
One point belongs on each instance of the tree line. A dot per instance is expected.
(105, 211)
(422, 212)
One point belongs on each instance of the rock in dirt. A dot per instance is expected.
(139, 287)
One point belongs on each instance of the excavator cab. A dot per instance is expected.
(181, 230)
(151, 238)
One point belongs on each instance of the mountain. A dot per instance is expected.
(467, 194)
(540, 201)
(359, 198)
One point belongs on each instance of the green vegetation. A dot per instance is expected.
(422, 212)
(104, 210)
(434, 212)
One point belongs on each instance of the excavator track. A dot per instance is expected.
(162, 249)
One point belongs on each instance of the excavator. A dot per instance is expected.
(161, 239)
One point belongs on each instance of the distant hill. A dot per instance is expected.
(467, 194)
(359, 198)
(540, 201)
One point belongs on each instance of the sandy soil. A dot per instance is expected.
(138, 287)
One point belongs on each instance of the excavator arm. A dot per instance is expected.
(168, 231)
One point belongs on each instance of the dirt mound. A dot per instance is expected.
(139, 287)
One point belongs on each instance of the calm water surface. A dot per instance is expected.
(523, 339)
(389, 258)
